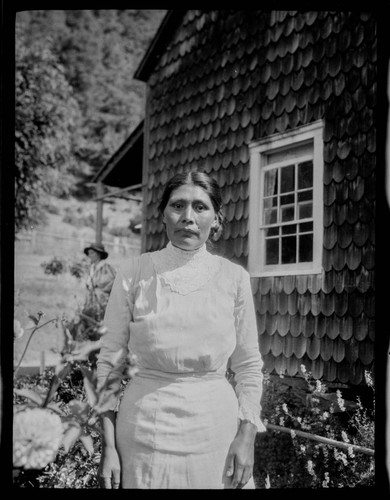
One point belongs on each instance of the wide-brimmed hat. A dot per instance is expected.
(98, 248)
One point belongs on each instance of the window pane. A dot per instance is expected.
(287, 199)
(305, 210)
(290, 229)
(272, 231)
(270, 216)
(305, 227)
(289, 245)
(306, 248)
(272, 251)
(270, 202)
(287, 179)
(288, 213)
(305, 195)
(305, 175)
(271, 182)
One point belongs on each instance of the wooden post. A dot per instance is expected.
(145, 168)
(99, 213)
(42, 363)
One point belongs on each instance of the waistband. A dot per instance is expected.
(179, 376)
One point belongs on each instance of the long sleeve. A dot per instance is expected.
(246, 361)
(117, 320)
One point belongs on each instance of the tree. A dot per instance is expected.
(46, 118)
(76, 98)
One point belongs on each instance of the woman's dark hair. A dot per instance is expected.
(204, 181)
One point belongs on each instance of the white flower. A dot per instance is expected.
(37, 438)
(368, 377)
(340, 400)
(310, 467)
(325, 483)
(340, 456)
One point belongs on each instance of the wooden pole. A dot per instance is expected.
(314, 437)
(145, 168)
(42, 363)
(99, 213)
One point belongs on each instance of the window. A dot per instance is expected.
(286, 203)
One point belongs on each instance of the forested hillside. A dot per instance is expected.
(76, 99)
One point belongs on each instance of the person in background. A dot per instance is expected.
(187, 316)
(99, 283)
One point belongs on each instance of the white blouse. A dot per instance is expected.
(185, 312)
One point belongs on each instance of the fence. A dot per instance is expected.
(42, 241)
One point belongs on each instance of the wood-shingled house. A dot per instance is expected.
(279, 107)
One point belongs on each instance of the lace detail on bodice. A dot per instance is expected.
(185, 271)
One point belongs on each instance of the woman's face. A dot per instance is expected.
(189, 216)
(93, 255)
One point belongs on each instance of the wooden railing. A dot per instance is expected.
(320, 439)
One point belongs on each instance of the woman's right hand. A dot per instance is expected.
(109, 471)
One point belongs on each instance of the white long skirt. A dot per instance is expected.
(175, 431)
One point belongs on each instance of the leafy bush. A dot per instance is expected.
(76, 470)
(52, 209)
(55, 266)
(312, 464)
(78, 268)
(79, 220)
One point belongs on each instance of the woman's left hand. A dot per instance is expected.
(240, 459)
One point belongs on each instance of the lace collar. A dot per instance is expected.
(185, 271)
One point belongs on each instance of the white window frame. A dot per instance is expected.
(287, 141)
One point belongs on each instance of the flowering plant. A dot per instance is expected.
(37, 437)
(327, 439)
(46, 425)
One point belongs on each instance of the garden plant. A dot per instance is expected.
(56, 424)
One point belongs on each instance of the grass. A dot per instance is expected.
(54, 296)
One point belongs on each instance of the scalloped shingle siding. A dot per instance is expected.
(227, 78)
